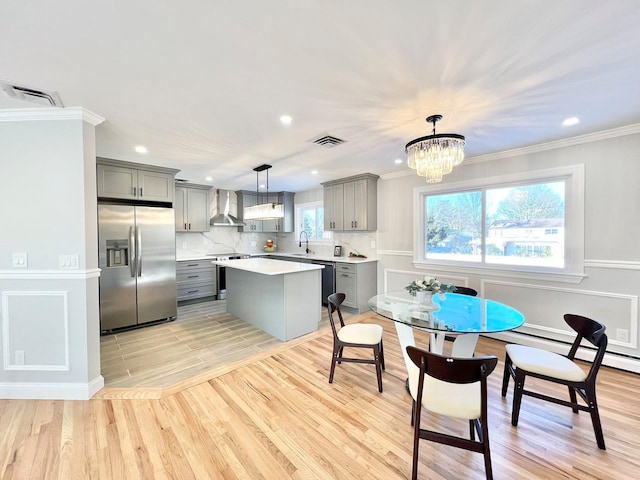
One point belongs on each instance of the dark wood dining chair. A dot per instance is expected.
(522, 361)
(356, 335)
(466, 291)
(454, 387)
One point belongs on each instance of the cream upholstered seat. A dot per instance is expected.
(364, 333)
(356, 335)
(521, 361)
(546, 363)
(455, 387)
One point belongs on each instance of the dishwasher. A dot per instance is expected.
(328, 278)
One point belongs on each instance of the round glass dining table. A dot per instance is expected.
(462, 316)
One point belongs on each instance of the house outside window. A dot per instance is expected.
(531, 222)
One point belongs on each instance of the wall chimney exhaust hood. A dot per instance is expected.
(224, 218)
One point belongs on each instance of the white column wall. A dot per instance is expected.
(48, 198)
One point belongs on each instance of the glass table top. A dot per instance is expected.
(452, 312)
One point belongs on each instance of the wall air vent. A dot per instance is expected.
(327, 141)
(32, 95)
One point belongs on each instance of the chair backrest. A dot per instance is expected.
(591, 331)
(466, 291)
(333, 305)
(453, 369)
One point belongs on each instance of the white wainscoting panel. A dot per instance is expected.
(396, 280)
(544, 308)
(36, 323)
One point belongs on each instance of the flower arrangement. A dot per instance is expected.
(430, 285)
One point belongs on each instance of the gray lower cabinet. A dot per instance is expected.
(358, 281)
(196, 279)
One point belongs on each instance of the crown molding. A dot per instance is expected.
(53, 113)
(542, 147)
(556, 144)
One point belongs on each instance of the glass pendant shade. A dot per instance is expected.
(264, 211)
(435, 155)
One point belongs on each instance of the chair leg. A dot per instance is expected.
(376, 355)
(413, 412)
(340, 355)
(382, 353)
(415, 421)
(506, 375)
(334, 358)
(472, 429)
(487, 451)
(517, 396)
(595, 418)
(574, 399)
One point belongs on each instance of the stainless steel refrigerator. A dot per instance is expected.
(137, 258)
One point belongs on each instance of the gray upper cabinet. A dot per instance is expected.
(192, 207)
(134, 181)
(350, 204)
(274, 225)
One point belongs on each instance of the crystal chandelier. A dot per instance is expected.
(435, 155)
(263, 211)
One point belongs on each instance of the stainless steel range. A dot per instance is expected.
(221, 276)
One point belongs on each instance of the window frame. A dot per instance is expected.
(298, 226)
(573, 270)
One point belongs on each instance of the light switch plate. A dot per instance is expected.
(19, 260)
(68, 262)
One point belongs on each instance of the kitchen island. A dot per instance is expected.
(281, 298)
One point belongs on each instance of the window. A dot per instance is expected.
(310, 218)
(529, 222)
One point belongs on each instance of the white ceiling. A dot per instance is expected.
(202, 84)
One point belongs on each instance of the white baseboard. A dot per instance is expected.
(614, 360)
(51, 391)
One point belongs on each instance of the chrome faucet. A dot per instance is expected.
(307, 241)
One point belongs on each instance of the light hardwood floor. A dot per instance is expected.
(275, 416)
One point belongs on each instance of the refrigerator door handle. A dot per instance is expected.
(132, 252)
(139, 242)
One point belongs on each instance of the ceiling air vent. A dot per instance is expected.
(41, 97)
(327, 141)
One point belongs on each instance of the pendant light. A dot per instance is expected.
(265, 210)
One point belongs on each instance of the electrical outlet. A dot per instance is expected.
(19, 354)
(622, 335)
(19, 260)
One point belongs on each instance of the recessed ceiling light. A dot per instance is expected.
(286, 119)
(398, 161)
(570, 121)
(141, 149)
(314, 172)
(208, 179)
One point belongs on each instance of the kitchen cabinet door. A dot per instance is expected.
(192, 208)
(133, 181)
(334, 207)
(246, 199)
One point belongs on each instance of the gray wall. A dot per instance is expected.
(609, 290)
(48, 194)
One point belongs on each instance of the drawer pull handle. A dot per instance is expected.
(193, 276)
(194, 291)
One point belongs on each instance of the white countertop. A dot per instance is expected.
(322, 258)
(189, 256)
(267, 266)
